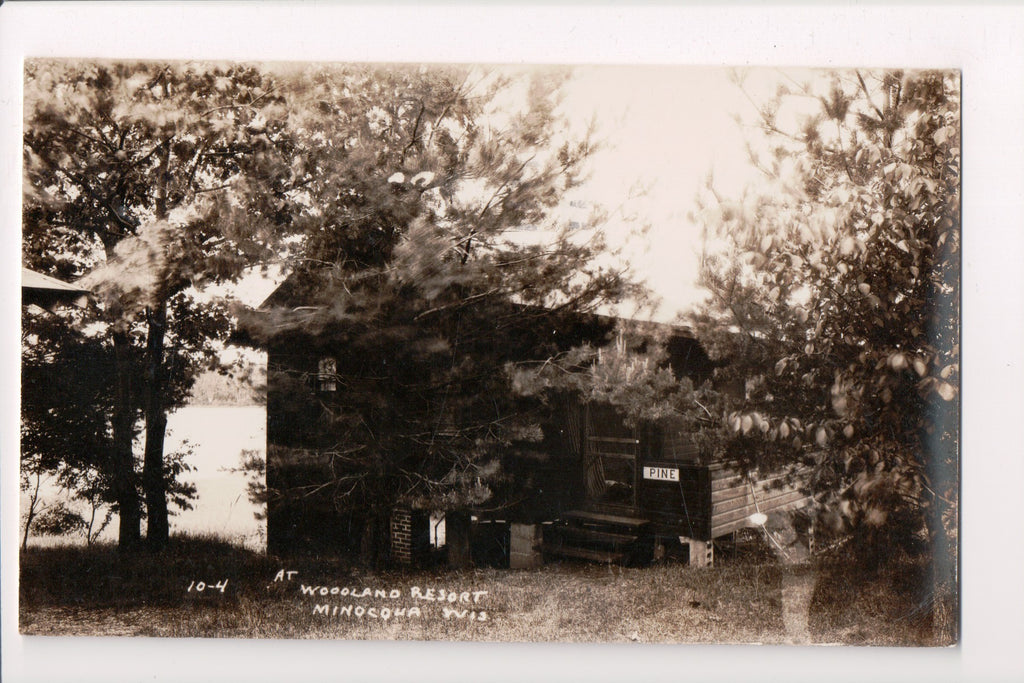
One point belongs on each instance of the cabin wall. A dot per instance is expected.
(735, 498)
(710, 501)
(700, 504)
(677, 508)
(297, 462)
(294, 402)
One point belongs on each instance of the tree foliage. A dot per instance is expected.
(415, 287)
(835, 301)
(65, 418)
(68, 454)
(632, 373)
(154, 178)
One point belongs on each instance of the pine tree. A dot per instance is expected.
(835, 301)
(412, 286)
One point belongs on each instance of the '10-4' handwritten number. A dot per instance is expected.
(200, 586)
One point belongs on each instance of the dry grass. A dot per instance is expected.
(75, 591)
(891, 606)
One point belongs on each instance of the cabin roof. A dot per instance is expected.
(30, 279)
(289, 294)
(45, 291)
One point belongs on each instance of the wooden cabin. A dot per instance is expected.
(647, 489)
(599, 491)
(614, 493)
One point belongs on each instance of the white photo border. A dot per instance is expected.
(985, 43)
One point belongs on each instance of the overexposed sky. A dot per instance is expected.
(662, 130)
(665, 128)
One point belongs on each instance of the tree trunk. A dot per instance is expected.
(154, 480)
(457, 525)
(92, 521)
(30, 517)
(372, 553)
(122, 473)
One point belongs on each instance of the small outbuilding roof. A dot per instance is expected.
(30, 279)
(43, 290)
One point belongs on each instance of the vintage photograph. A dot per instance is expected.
(478, 352)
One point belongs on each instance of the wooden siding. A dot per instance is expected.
(674, 443)
(734, 498)
(707, 501)
(679, 508)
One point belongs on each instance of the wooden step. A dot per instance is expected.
(586, 536)
(611, 557)
(585, 517)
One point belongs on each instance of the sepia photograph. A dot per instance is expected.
(485, 351)
(406, 332)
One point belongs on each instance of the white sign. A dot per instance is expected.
(661, 473)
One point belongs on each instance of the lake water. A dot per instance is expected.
(218, 435)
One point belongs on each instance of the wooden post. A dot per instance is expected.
(457, 529)
(525, 545)
(702, 553)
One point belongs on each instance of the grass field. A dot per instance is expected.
(94, 591)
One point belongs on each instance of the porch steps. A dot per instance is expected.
(604, 556)
(588, 517)
(598, 537)
(584, 535)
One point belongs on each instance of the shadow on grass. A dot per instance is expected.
(97, 590)
(894, 605)
(100, 576)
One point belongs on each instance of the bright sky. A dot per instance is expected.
(663, 129)
(666, 129)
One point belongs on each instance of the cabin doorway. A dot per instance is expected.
(611, 452)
